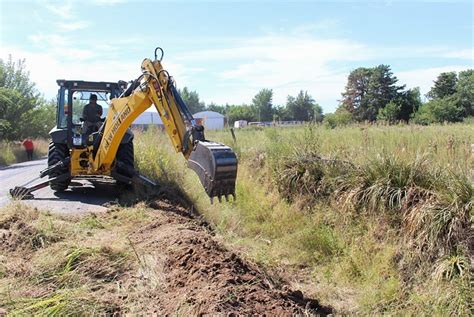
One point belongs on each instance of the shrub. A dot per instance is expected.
(445, 109)
(341, 117)
(390, 113)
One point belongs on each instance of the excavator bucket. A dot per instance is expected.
(216, 166)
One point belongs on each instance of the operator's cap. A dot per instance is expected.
(93, 97)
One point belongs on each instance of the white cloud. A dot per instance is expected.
(64, 16)
(72, 26)
(60, 47)
(49, 40)
(108, 2)
(402, 52)
(283, 63)
(424, 77)
(46, 67)
(61, 10)
(288, 63)
(461, 54)
(233, 71)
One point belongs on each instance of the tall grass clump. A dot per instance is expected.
(155, 158)
(429, 205)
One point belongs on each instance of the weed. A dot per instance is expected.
(91, 222)
(60, 303)
(452, 267)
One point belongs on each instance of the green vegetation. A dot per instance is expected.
(23, 112)
(369, 90)
(368, 219)
(191, 98)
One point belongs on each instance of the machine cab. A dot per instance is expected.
(73, 96)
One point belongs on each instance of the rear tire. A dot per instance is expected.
(125, 155)
(57, 153)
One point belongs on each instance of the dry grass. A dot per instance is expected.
(52, 265)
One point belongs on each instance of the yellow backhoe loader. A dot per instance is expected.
(107, 151)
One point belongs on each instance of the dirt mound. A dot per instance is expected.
(16, 234)
(201, 277)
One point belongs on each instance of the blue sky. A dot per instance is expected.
(228, 50)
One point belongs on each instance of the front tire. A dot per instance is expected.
(57, 153)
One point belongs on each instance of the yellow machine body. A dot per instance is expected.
(155, 87)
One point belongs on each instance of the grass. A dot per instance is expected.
(362, 214)
(79, 268)
(13, 152)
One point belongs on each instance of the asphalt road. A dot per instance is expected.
(81, 197)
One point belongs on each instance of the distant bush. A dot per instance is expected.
(440, 110)
(390, 113)
(340, 118)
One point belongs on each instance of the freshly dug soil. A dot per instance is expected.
(207, 279)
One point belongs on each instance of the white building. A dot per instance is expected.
(240, 124)
(144, 119)
(210, 120)
(147, 118)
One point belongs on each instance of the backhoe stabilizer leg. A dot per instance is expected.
(216, 166)
(22, 192)
(56, 167)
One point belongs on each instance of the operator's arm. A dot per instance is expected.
(84, 113)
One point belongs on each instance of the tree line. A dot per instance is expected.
(301, 107)
(371, 94)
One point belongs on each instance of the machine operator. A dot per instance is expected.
(91, 115)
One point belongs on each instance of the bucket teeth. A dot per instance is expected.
(20, 192)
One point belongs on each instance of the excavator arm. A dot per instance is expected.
(214, 163)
